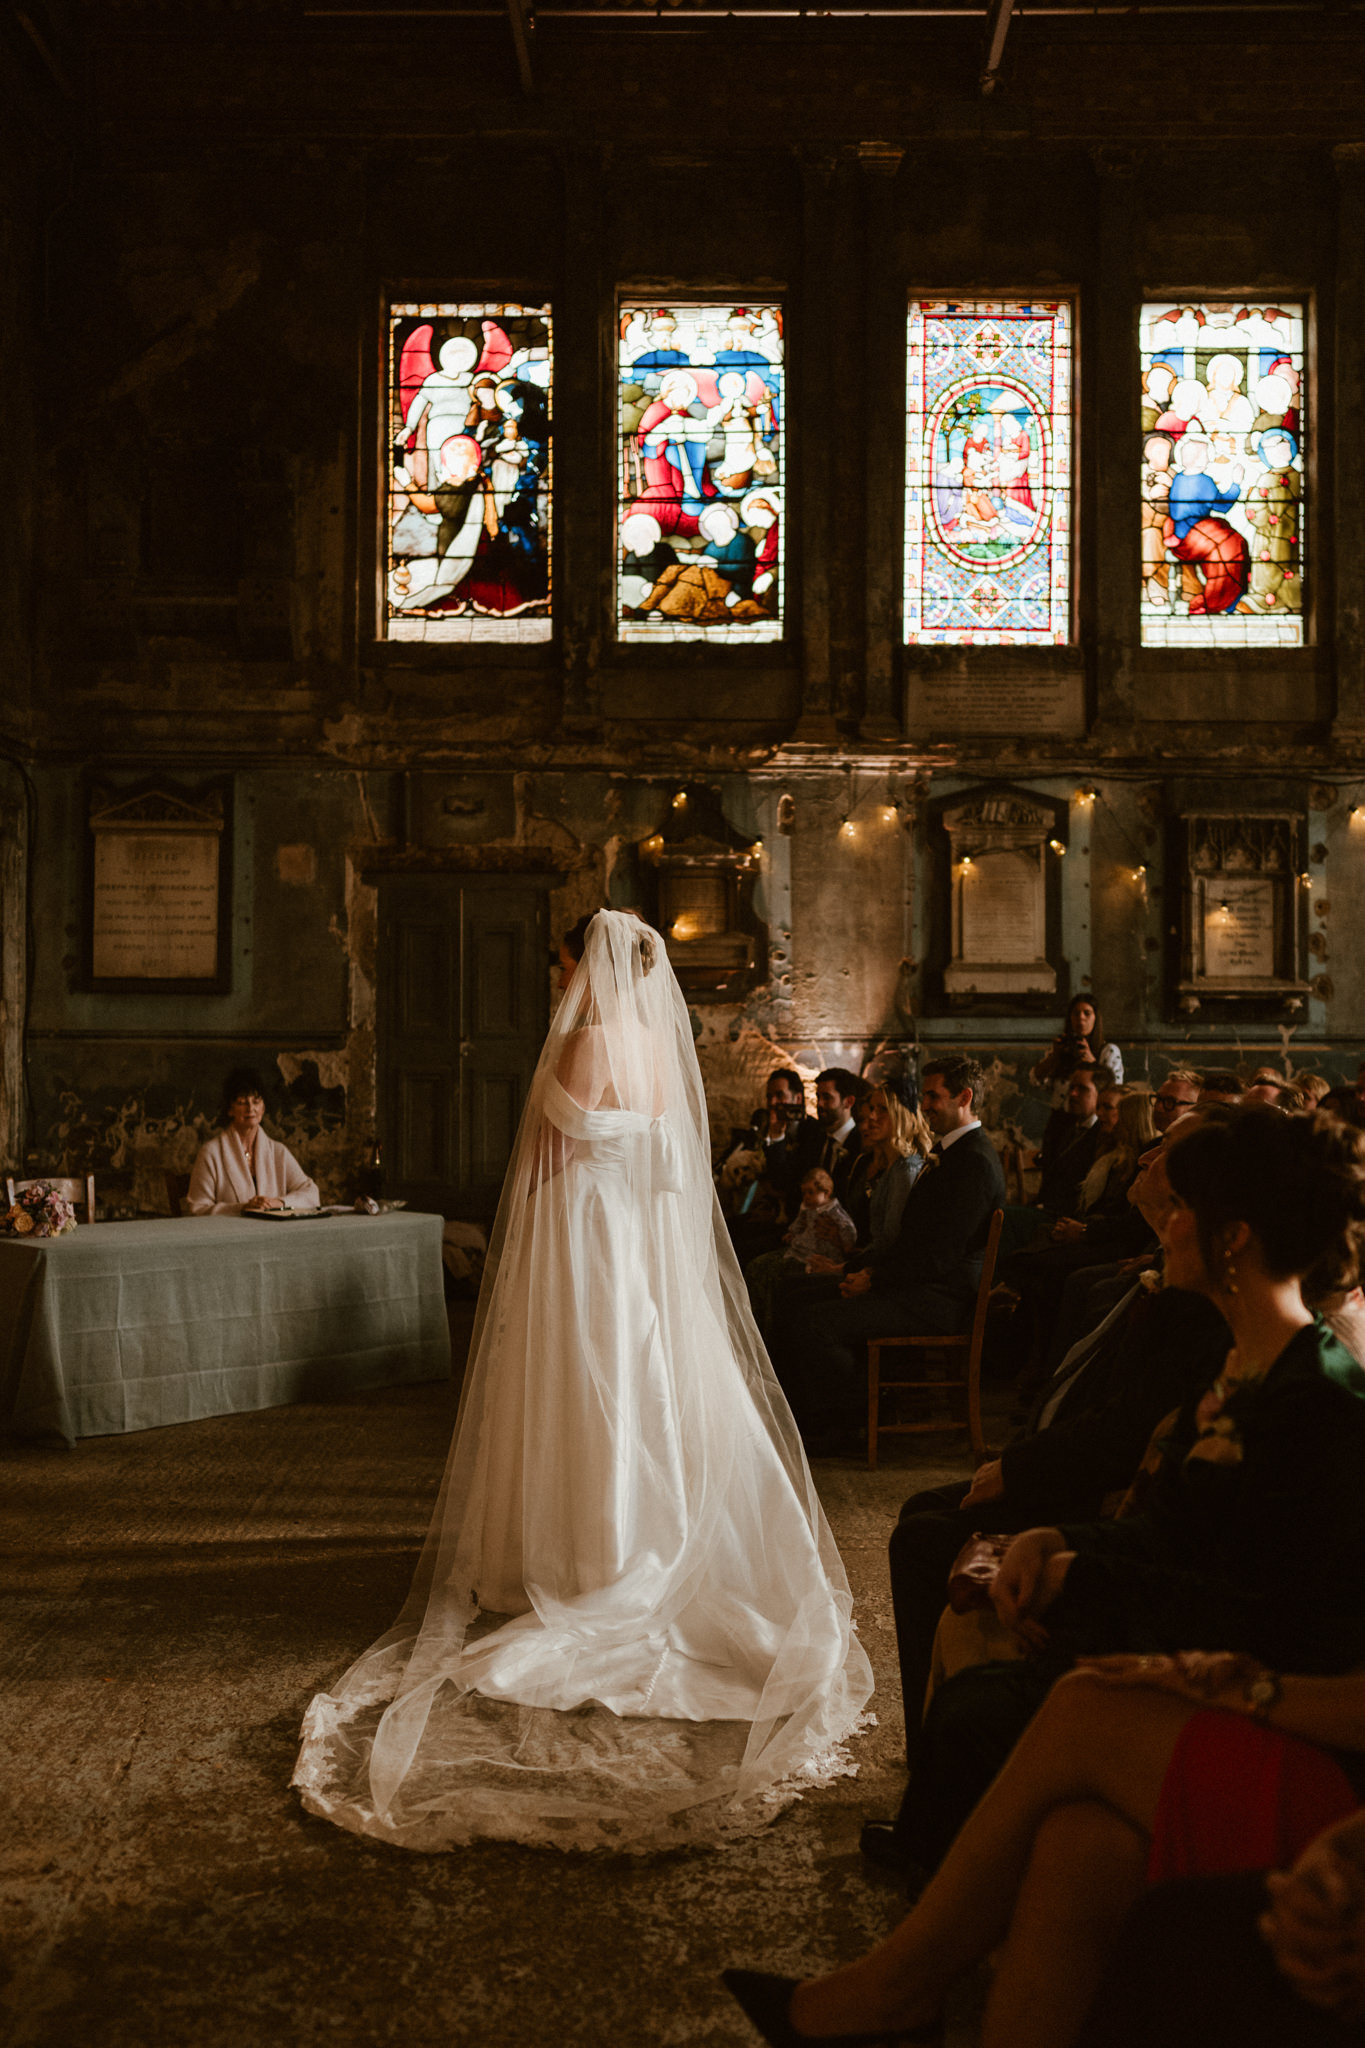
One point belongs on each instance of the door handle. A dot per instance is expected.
(466, 1048)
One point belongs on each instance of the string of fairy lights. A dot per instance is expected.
(891, 807)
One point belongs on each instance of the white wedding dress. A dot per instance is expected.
(630, 1627)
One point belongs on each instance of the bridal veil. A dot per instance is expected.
(629, 1627)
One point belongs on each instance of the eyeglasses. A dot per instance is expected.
(1172, 1102)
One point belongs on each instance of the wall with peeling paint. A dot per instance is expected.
(187, 563)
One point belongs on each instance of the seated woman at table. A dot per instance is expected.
(242, 1169)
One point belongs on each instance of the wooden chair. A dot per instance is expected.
(177, 1187)
(77, 1189)
(968, 1342)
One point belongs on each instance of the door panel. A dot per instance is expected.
(462, 1012)
(505, 1005)
(422, 1128)
(426, 987)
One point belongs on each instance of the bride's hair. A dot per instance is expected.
(576, 940)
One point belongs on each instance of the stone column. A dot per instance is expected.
(584, 434)
(810, 388)
(1346, 523)
(1111, 426)
(884, 371)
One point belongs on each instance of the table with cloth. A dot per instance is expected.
(124, 1326)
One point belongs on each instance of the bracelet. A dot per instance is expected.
(1262, 1695)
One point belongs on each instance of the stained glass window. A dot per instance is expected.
(467, 485)
(1223, 418)
(988, 473)
(700, 487)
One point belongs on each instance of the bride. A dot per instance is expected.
(630, 1627)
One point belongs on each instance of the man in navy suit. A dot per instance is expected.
(923, 1285)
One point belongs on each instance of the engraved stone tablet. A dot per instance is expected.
(156, 891)
(999, 897)
(1002, 909)
(960, 702)
(1239, 930)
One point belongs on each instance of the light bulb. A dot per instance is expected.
(847, 828)
(680, 800)
(1057, 845)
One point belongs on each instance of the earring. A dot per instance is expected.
(1230, 1276)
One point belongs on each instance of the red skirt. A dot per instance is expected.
(1237, 1796)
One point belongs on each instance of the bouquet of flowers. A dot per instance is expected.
(39, 1211)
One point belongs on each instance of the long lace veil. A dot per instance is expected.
(629, 1624)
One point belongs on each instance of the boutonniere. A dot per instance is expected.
(1151, 1279)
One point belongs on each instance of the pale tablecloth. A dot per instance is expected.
(121, 1326)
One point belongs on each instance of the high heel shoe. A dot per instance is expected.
(766, 2002)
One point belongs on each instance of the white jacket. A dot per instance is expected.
(221, 1183)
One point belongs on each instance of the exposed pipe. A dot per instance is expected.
(523, 30)
(997, 28)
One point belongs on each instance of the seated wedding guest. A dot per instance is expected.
(1081, 1039)
(243, 1169)
(1221, 1086)
(1178, 1093)
(823, 1227)
(1266, 1085)
(1228, 1948)
(1312, 1087)
(1090, 1292)
(1064, 1158)
(1103, 1218)
(895, 1143)
(837, 1095)
(923, 1283)
(1132, 1768)
(1089, 1425)
(1246, 1525)
(1346, 1100)
(760, 1180)
(1070, 1142)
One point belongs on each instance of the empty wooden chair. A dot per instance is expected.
(177, 1187)
(78, 1189)
(964, 1351)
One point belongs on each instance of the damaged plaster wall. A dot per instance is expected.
(128, 1085)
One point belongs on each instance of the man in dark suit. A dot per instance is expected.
(1067, 1152)
(837, 1095)
(924, 1284)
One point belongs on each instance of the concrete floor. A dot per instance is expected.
(171, 1602)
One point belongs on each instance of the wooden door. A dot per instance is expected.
(463, 1008)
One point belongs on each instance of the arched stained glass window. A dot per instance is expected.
(1223, 414)
(467, 474)
(701, 479)
(988, 466)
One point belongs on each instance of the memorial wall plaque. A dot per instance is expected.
(1239, 929)
(957, 701)
(1242, 936)
(999, 897)
(1002, 908)
(157, 915)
